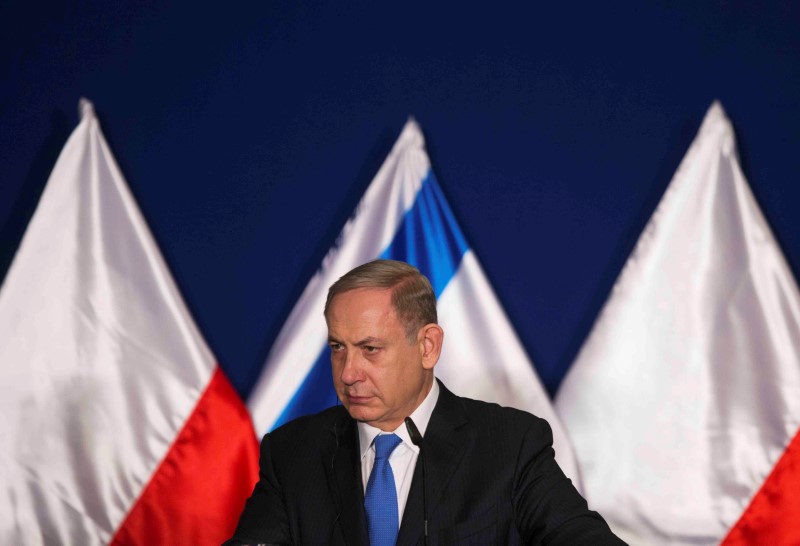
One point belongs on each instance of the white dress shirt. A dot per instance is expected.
(404, 457)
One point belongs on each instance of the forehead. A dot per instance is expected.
(361, 305)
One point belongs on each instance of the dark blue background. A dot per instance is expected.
(248, 132)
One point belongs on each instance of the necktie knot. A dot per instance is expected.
(385, 444)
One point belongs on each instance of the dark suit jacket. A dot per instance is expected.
(490, 479)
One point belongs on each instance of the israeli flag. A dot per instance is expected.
(404, 216)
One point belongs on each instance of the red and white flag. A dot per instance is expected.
(116, 425)
(683, 405)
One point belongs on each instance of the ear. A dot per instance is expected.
(431, 338)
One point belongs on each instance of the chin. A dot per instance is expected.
(365, 415)
(359, 414)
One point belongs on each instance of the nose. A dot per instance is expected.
(350, 370)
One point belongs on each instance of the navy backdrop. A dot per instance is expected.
(248, 132)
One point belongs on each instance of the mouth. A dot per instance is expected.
(358, 400)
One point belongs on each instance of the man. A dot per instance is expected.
(353, 474)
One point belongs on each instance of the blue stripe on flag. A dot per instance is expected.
(429, 239)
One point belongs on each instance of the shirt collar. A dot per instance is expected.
(421, 416)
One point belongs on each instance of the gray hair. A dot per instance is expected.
(413, 297)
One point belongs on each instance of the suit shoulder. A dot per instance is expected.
(310, 427)
(494, 415)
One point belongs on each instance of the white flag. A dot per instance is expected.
(687, 391)
(404, 216)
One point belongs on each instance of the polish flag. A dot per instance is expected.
(117, 425)
(683, 405)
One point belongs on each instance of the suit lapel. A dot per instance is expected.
(446, 440)
(343, 466)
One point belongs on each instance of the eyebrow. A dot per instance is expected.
(369, 341)
(366, 341)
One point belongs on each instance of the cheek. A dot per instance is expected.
(410, 378)
(395, 381)
(336, 367)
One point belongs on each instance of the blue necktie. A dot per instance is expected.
(380, 501)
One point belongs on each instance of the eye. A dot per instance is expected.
(335, 346)
(369, 349)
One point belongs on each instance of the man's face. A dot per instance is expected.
(379, 376)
